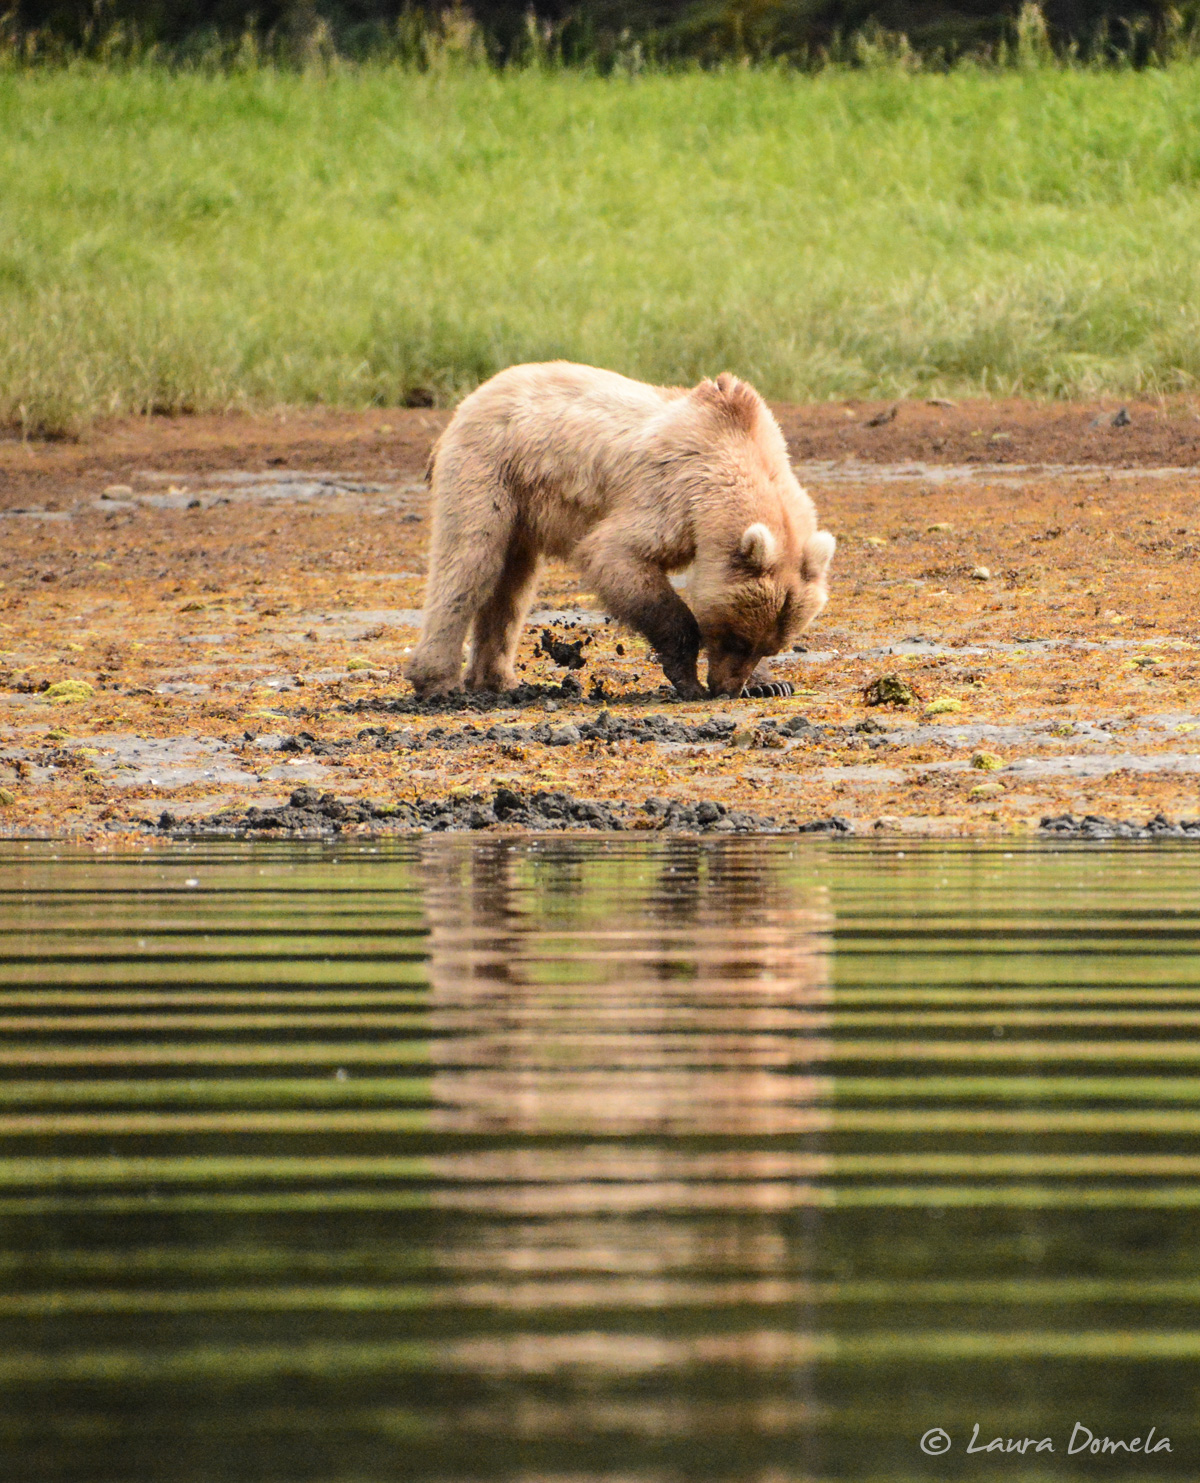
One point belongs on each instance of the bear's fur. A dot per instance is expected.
(629, 482)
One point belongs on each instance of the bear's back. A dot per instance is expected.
(576, 430)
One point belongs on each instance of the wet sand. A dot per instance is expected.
(239, 594)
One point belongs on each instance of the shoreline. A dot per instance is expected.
(197, 615)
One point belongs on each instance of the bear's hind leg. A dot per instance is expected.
(498, 623)
(472, 532)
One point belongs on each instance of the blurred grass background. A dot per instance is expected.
(175, 239)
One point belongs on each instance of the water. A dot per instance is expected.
(597, 1160)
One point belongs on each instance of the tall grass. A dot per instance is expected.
(189, 240)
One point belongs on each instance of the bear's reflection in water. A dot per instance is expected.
(553, 1016)
(630, 1197)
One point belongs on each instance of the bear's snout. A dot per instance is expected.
(728, 673)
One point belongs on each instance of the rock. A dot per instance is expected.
(68, 692)
(358, 663)
(987, 790)
(939, 525)
(1122, 418)
(987, 762)
(890, 690)
(943, 706)
(505, 802)
(1096, 826)
(7, 798)
(564, 736)
(981, 574)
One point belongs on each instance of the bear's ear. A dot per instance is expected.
(735, 399)
(758, 547)
(818, 553)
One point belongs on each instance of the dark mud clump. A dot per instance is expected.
(470, 700)
(570, 692)
(305, 741)
(605, 728)
(1096, 826)
(565, 655)
(310, 812)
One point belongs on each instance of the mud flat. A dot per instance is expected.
(201, 617)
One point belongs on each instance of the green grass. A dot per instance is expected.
(205, 240)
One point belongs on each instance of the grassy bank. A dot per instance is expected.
(205, 241)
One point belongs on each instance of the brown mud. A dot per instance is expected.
(238, 594)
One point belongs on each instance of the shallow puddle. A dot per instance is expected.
(602, 1159)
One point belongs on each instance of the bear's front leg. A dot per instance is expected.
(638, 593)
(669, 625)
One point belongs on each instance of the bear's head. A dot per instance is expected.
(760, 604)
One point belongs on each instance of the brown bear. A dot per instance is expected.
(630, 482)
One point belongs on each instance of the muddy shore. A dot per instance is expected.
(201, 617)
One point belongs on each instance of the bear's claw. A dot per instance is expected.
(771, 688)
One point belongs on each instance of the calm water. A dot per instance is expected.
(597, 1160)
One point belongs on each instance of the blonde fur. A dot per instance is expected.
(758, 546)
(630, 482)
